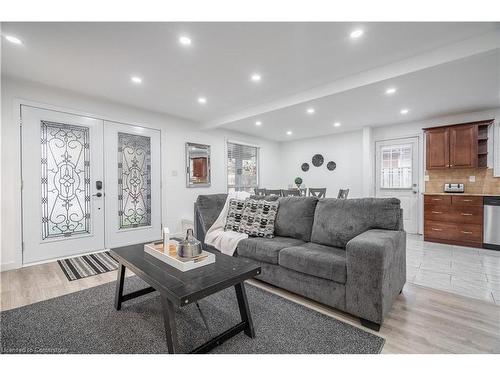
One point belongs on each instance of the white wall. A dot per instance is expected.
(345, 149)
(177, 200)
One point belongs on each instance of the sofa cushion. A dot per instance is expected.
(295, 217)
(258, 218)
(265, 249)
(316, 260)
(337, 221)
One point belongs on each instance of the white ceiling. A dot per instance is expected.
(470, 84)
(99, 59)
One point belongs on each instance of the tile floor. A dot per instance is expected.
(466, 271)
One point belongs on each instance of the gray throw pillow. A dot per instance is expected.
(258, 218)
(234, 214)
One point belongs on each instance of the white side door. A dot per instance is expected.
(396, 168)
(62, 163)
(132, 184)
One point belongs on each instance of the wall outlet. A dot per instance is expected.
(472, 178)
(426, 177)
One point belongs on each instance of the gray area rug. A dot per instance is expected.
(86, 322)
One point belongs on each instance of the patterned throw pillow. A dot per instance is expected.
(234, 214)
(258, 218)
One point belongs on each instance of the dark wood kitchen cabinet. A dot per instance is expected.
(454, 219)
(457, 146)
(437, 147)
(463, 146)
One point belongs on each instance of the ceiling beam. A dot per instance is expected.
(456, 51)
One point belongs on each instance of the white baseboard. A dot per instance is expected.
(8, 266)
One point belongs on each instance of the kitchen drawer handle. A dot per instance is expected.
(465, 214)
(436, 199)
(436, 212)
(465, 232)
(466, 200)
(437, 230)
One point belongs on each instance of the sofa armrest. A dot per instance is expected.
(376, 272)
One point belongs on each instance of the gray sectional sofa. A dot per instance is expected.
(347, 254)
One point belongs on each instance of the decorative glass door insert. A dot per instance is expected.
(65, 180)
(134, 180)
(62, 173)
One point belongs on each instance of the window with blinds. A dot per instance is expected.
(242, 167)
(396, 171)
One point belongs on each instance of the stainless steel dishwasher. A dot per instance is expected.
(491, 232)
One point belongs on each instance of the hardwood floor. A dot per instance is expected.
(423, 319)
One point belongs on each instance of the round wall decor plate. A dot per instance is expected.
(331, 165)
(305, 167)
(318, 160)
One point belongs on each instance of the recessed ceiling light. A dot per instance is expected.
(404, 111)
(136, 79)
(256, 77)
(289, 132)
(258, 123)
(202, 100)
(390, 90)
(185, 40)
(336, 124)
(310, 110)
(13, 39)
(357, 33)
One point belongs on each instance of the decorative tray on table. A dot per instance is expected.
(171, 258)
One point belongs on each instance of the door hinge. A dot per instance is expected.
(21, 121)
(22, 246)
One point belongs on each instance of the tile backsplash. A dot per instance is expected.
(485, 182)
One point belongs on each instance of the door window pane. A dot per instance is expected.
(134, 180)
(396, 168)
(242, 167)
(65, 180)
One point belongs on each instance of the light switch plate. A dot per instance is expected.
(426, 177)
(472, 178)
(174, 173)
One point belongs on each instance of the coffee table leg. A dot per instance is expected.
(244, 309)
(119, 286)
(170, 328)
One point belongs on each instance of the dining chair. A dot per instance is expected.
(273, 192)
(343, 193)
(290, 193)
(317, 192)
(303, 192)
(259, 191)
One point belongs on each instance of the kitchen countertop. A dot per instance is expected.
(469, 194)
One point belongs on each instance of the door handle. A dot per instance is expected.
(98, 195)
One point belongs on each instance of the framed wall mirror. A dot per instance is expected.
(197, 165)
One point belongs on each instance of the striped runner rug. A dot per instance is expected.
(87, 265)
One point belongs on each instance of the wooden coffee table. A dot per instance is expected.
(179, 288)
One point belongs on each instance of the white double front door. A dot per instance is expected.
(88, 184)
